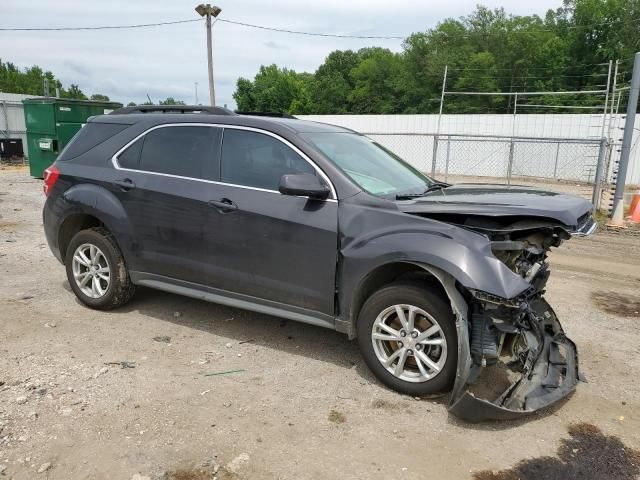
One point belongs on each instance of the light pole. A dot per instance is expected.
(196, 84)
(207, 11)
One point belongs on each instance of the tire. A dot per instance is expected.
(108, 294)
(380, 308)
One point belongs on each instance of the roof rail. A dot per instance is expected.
(266, 114)
(172, 109)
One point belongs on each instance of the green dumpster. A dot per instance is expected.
(52, 122)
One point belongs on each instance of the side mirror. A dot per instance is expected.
(303, 185)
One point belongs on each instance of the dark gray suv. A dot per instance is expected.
(319, 224)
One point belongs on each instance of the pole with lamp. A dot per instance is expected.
(209, 11)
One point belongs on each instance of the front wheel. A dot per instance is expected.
(407, 336)
(96, 270)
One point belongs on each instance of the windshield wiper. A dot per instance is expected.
(430, 188)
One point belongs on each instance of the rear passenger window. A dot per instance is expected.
(186, 151)
(258, 160)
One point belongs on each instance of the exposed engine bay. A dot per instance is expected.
(523, 246)
(523, 333)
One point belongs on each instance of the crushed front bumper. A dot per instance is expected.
(548, 371)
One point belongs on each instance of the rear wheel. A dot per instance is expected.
(96, 270)
(407, 336)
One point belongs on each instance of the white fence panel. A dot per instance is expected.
(418, 150)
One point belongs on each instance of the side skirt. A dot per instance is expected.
(223, 297)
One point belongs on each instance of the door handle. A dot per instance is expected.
(125, 184)
(224, 205)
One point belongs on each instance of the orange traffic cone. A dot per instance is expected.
(634, 210)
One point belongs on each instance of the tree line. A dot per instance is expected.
(486, 51)
(30, 81)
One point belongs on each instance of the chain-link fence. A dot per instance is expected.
(563, 164)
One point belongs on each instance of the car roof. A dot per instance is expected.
(275, 124)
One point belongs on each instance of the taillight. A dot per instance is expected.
(51, 175)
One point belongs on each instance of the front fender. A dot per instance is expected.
(373, 237)
(474, 269)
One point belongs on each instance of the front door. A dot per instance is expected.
(290, 242)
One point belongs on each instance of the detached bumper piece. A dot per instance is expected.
(546, 360)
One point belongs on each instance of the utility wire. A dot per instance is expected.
(143, 25)
(297, 32)
(530, 68)
(313, 34)
(104, 27)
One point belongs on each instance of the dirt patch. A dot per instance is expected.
(587, 455)
(616, 304)
(7, 226)
(384, 404)
(199, 473)
(337, 417)
(493, 381)
(188, 474)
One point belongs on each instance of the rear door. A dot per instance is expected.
(290, 242)
(165, 181)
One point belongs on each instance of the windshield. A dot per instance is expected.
(374, 168)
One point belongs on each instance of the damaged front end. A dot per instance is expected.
(541, 362)
(534, 364)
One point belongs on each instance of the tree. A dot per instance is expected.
(244, 95)
(377, 83)
(332, 83)
(486, 51)
(73, 92)
(469, 81)
(302, 104)
(99, 97)
(272, 90)
(171, 101)
(131, 104)
(29, 81)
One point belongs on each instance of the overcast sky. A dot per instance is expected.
(165, 61)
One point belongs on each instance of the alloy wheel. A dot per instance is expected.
(409, 343)
(91, 270)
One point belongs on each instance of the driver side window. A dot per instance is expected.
(254, 159)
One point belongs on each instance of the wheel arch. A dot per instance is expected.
(89, 205)
(386, 274)
(73, 224)
(450, 290)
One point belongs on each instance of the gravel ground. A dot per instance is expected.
(126, 394)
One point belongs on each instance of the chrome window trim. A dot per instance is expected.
(116, 165)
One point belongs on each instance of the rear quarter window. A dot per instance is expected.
(88, 137)
(131, 156)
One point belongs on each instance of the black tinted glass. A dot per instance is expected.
(89, 136)
(257, 160)
(187, 151)
(129, 158)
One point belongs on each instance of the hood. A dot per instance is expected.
(501, 201)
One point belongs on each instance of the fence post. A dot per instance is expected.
(511, 145)
(446, 165)
(613, 100)
(597, 187)
(617, 216)
(555, 165)
(435, 155)
(606, 99)
(436, 138)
